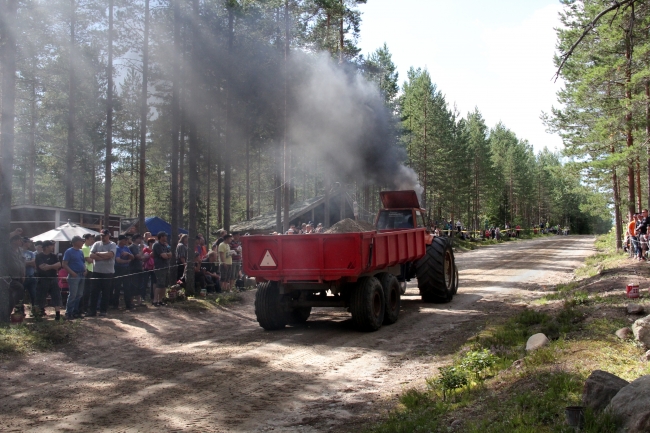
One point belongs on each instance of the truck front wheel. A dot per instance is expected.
(367, 304)
(436, 272)
(269, 310)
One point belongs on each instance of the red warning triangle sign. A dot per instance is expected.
(267, 260)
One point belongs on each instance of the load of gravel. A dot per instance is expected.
(351, 226)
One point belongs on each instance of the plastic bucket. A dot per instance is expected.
(204, 293)
(632, 290)
(575, 416)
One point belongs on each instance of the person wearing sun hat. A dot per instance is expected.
(75, 264)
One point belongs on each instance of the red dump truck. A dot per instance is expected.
(363, 271)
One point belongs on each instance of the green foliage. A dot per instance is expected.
(478, 362)
(451, 378)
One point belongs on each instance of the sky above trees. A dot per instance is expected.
(497, 56)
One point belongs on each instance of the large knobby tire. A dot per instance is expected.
(268, 306)
(436, 272)
(455, 279)
(298, 315)
(367, 304)
(392, 292)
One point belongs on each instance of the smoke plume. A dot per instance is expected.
(343, 121)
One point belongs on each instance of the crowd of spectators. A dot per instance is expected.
(636, 241)
(98, 272)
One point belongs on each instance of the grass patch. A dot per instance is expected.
(36, 336)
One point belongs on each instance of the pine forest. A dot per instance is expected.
(211, 112)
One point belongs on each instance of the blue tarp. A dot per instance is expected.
(155, 225)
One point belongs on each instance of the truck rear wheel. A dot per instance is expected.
(269, 310)
(455, 279)
(298, 315)
(392, 292)
(436, 272)
(367, 304)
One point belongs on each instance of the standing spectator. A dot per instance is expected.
(30, 272)
(138, 278)
(16, 271)
(47, 266)
(642, 231)
(181, 256)
(148, 265)
(220, 233)
(103, 254)
(459, 226)
(122, 280)
(89, 240)
(161, 257)
(75, 264)
(235, 246)
(225, 258)
(634, 241)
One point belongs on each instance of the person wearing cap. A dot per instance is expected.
(103, 255)
(75, 264)
(47, 267)
(122, 280)
(161, 259)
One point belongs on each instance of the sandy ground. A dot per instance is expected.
(163, 370)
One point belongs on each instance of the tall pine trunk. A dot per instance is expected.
(8, 30)
(230, 143)
(109, 119)
(144, 110)
(71, 148)
(193, 148)
(286, 172)
(176, 205)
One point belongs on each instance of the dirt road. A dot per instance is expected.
(167, 370)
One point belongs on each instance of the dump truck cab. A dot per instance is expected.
(401, 210)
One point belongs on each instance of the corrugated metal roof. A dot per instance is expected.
(267, 221)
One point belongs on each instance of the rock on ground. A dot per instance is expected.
(536, 341)
(625, 333)
(635, 309)
(600, 387)
(641, 329)
(632, 406)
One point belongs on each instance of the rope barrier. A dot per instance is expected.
(113, 277)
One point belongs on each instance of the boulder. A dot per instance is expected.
(632, 406)
(600, 387)
(641, 329)
(625, 333)
(536, 341)
(634, 309)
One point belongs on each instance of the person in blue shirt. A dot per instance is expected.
(123, 257)
(75, 264)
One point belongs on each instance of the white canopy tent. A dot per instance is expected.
(63, 233)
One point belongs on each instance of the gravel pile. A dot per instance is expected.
(351, 226)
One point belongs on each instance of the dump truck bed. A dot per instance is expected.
(329, 257)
